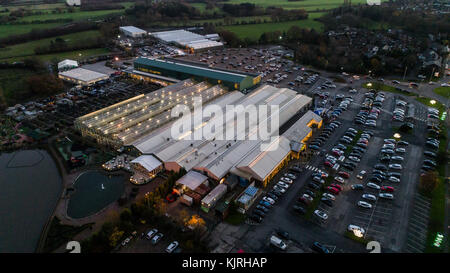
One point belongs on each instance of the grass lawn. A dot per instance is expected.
(254, 31)
(443, 91)
(7, 30)
(309, 5)
(202, 7)
(27, 49)
(384, 87)
(76, 16)
(427, 102)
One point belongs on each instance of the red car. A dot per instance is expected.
(387, 189)
(339, 187)
(304, 200)
(336, 153)
(344, 174)
(328, 164)
(333, 190)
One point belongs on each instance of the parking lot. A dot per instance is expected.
(386, 220)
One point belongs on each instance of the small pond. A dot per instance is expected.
(94, 191)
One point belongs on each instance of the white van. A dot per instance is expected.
(274, 240)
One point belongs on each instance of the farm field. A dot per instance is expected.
(254, 31)
(27, 49)
(309, 5)
(76, 16)
(7, 30)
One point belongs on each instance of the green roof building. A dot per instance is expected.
(181, 70)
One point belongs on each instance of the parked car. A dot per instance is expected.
(386, 195)
(344, 174)
(329, 196)
(157, 238)
(364, 204)
(387, 189)
(361, 174)
(151, 233)
(333, 190)
(327, 201)
(354, 228)
(269, 200)
(370, 197)
(357, 187)
(373, 186)
(172, 246)
(316, 246)
(321, 214)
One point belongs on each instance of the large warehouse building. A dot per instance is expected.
(172, 70)
(82, 76)
(191, 41)
(217, 158)
(133, 32)
(122, 123)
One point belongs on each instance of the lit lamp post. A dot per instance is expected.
(397, 136)
(433, 102)
(369, 84)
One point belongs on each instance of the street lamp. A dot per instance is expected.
(433, 102)
(397, 136)
(369, 84)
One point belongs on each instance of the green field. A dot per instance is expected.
(254, 31)
(7, 30)
(76, 16)
(309, 5)
(443, 91)
(27, 49)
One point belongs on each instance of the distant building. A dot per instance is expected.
(133, 32)
(67, 64)
(82, 76)
(191, 41)
(73, 3)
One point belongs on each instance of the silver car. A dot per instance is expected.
(386, 195)
(364, 204)
(373, 186)
(172, 246)
(370, 197)
(157, 238)
(394, 179)
(321, 214)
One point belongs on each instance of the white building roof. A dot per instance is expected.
(299, 130)
(133, 30)
(67, 63)
(84, 75)
(192, 180)
(149, 162)
(187, 38)
(217, 155)
(216, 193)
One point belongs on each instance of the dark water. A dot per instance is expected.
(93, 192)
(30, 186)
